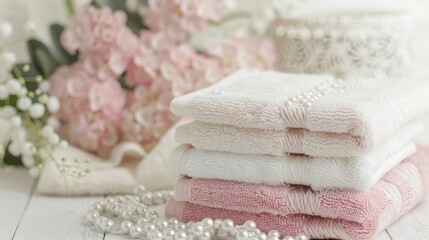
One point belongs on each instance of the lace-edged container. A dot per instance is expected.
(358, 45)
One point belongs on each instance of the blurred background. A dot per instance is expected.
(44, 12)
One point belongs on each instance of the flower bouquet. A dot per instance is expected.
(117, 65)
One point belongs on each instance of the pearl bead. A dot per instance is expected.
(207, 222)
(206, 235)
(151, 214)
(249, 225)
(180, 235)
(147, 198)
(217, 223)
(149, 226)
(162, 223)
(91, 217)
(173, 222)
(139, 190)
(142, 221)
(274, 233)
(301, 237)
(155, 235)
(288, 238)
(158, 198)
(107, 225)
(261, 236)
(136, 231)
(227, 225)
(242, 234)
(142, 210)
(197, 228)
(168, 233)
(127, 214)
(126, 226)
(181, 226)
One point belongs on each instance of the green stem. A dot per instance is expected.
(17, 72)
(70, 7)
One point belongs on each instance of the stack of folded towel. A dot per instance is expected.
(299, 153)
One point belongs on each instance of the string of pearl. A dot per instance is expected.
(136, 219)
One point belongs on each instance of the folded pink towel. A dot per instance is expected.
(346, 214)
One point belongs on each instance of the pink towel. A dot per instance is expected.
(346, 214)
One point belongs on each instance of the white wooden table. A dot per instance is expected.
(26, 215)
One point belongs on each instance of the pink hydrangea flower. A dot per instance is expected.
(91, 108)
(93, 133)
(178, 18)
(104, 42)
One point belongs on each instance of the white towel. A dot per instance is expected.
(277, 101)
(318, 172)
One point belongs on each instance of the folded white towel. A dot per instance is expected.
(277, 101)
(318, 172)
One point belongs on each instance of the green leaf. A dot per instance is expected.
(41, 57)
(134, 21)
(9, 159)
(66, 58)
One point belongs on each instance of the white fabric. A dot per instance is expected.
(127, 166)
(318, 172)
(262, 99)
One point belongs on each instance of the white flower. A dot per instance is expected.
(19, 136)
(132, 5)
(30, 27)
(53, 122)
(16, 121)
(6, 29)
(22, 92)
(13, 86)
(47, 131)
(54, 139)
(14, 149)
(53, 105)
(37, 110)
(4, 94)
(24, 103)
(7, 112)
(7, 59)
(45, 86)
(28, 160)
(34, 171)
(27, 149)
(63, 144)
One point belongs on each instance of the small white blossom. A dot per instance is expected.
(4, 93)
(27, 149)
(45, 86)
(54, 139)
(13, 86)
(28, 160)
(132, 5)
(23, 92)
(14, 149)
(24, 103)
(53, 105)
(53, 122)
(37, 110)
(63, 144)
(47, 131)
(6, 30)
(16, 121)
(7, 112)
(30, 27)
(7, 59)
(19, 136)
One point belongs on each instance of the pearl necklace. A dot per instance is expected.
(138, 221)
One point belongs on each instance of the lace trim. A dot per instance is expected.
(359, 45)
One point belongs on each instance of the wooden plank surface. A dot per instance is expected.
(15, 191)
(62, 218)
(412, 226)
